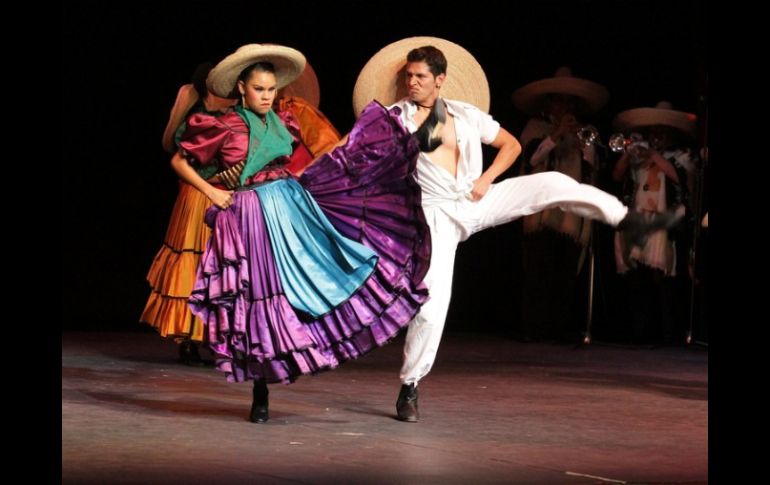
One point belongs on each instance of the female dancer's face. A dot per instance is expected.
(259, 91)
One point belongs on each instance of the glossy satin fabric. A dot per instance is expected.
(172, 273)
(318, 133)
(366, 193)
(320, 268)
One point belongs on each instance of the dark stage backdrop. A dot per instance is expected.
(122, 63)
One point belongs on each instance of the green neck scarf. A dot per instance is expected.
(267, 141)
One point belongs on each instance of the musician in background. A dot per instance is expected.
(657, 170)
(555, 242)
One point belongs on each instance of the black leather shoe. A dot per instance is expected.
(637, 227)
(259, 403)
(188, 354)
(406, 405)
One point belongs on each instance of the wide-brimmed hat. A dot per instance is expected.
(661, 114)
(383, 77)
(530, 98)
(305, 86)
(289, 64)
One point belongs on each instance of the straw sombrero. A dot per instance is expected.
(529, 98)
(289, 64)
(305, 86)
(661, 114)
(382, 78)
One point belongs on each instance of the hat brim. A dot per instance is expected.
(289, 64)
(305, 86)
(530, 98)
(383, 76)
(642, 117)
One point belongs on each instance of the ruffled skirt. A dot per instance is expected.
(300, 277)
(172, 274)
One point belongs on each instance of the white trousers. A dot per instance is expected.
(456, 220)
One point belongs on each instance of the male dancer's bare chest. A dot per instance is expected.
(447, 155)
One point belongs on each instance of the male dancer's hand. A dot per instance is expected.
(480, 188)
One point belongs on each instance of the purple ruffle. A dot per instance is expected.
(366, 190)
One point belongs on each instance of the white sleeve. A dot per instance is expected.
(487, 126)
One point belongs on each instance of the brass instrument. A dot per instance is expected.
(635, 145)
(589, 135)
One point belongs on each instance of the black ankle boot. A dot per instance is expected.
(637, 227)
(259, 403)
(188, 354)
(406, 405)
